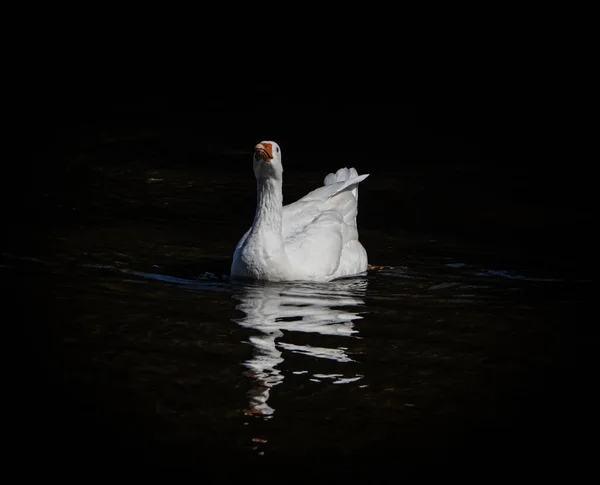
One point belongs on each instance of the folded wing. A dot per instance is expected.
(318, 227)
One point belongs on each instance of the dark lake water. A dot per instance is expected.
(139, 351)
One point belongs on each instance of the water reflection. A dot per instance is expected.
(277, 310)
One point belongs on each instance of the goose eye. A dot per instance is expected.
(277, 148)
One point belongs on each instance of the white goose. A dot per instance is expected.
(312, 239)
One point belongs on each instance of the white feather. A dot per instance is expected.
(314, 238)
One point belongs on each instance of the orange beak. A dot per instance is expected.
(264, 151)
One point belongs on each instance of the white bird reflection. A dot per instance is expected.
(273, 309)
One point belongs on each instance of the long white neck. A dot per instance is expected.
(263, 253)
(269, 206)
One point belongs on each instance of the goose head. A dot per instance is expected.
(267, 161)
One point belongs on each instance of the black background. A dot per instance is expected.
(504, 121)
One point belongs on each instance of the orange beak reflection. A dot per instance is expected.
(264, 151)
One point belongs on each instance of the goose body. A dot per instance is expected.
(312, 239)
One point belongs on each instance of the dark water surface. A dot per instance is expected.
(139, 351)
